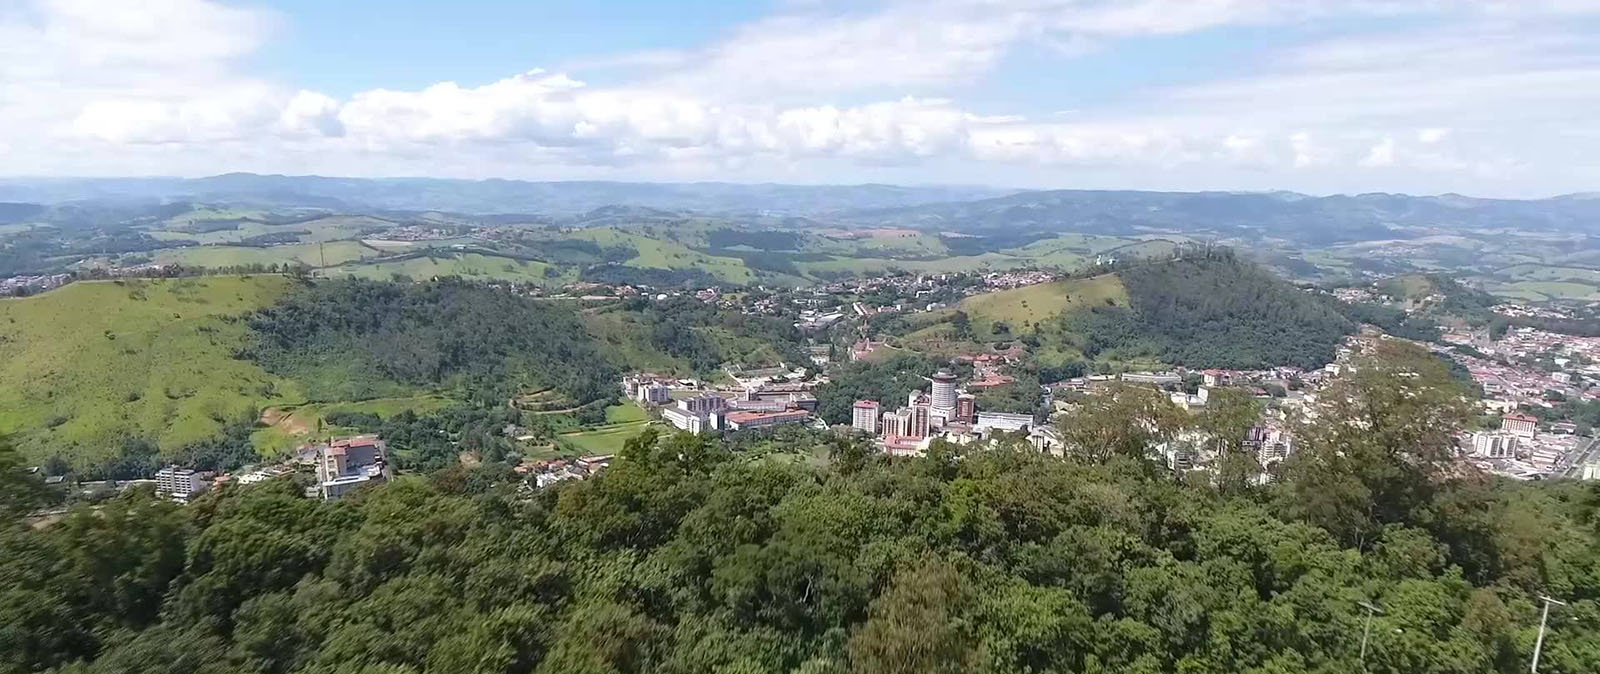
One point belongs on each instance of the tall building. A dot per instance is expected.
(944, 393)
(178, 484)
(896, 424)
(864, 416)
(921, 422)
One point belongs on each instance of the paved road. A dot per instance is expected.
(1588, 451)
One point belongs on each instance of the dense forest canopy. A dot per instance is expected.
(694, 554)
(352, 339)
(1212, 311)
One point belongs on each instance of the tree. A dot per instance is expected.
(915, 627)
(1382, 443)
(1229, 415)
(1126, 421)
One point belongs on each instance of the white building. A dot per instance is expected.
(654, 394)
(1492, 445)
(1002, 421)
(179, 484)
(944, 394)
(864, 416)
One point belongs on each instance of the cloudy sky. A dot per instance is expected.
(1497, 98)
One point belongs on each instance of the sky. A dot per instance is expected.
(1480, 97)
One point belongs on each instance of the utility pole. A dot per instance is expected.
(1538, 644)
(1366, 631)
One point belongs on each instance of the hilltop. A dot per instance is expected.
(1203, 311)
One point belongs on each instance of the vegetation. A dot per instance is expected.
(86, 367)
(693, 554)
(1211, 311)
(350, 340)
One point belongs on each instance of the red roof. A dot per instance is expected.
(747, 417)
(1518, 416)
(866, 403)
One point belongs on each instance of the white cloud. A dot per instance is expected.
(1484, 91)
(1432, 135)
(1381, 154)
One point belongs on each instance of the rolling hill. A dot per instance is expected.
(1206, 311)
(90, 364)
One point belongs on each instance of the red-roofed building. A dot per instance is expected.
(1520, 424)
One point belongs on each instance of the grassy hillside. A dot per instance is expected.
(86, 365)
(1024, 309)
(309, 254)
(1219, 312)
(474, 266)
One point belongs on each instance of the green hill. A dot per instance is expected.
(87, 365)
(1209, 311)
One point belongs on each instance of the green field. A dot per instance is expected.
(309, 254)
(1024, 307)
(466, 265)
(288, 427)
(1547, 290)
(88, 364)
(653, 253)
(331, 228)
(606, 439)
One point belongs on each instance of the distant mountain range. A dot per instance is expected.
(1288, 215)
(984, 210)
(485, 196)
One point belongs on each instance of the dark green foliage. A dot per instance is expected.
(1212, 311)
(681, 327)
(658, 278)
(351, 340)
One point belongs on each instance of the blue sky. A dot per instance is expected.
(1488, 97)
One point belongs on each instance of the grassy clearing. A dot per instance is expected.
(1024, 307)
(659, 254)
(309, 254)
(1540, 272)
(606, 439)
(86, 365)
(627, 412)
(466, 265)
(1556, 290)
(289, 427)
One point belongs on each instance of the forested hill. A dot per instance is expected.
(1212, 310)
(353, 339)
